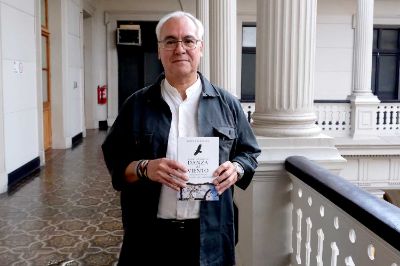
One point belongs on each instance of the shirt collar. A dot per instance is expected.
(193, 92)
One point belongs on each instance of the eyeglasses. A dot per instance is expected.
(172, 44)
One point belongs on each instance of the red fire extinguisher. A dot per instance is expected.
(102, 94)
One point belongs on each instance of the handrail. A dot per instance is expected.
(379, 216)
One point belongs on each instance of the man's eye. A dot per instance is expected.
(170, 42)
(189, 41)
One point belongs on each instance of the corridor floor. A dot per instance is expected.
(68, 212)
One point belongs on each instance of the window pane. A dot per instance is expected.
(373, 73)
(249, 36)
(375, 41)
(248, 76)
(389, 40)
(44, 51)
(43, 12)
(45, 86)
(387, 77)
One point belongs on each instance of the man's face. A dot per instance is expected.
(179, 62)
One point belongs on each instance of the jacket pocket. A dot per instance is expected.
(227, 137)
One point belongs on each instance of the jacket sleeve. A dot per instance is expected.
(118, 146)
(246, 150)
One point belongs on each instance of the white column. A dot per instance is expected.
(223, 44)
(285, 69)
(364, 103)
(284, 121)
(363, 36)
(203, 9)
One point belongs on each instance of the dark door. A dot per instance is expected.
(138, 66)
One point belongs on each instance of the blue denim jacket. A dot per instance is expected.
(141, 132)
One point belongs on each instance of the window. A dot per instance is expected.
(248, 62)
(385, 63)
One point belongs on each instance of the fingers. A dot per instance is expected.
(168, 172)
(225, 176)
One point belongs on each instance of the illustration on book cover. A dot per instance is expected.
(201, 157)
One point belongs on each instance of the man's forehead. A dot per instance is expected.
(171, 27)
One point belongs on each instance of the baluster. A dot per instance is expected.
(335, 254)
(320, 249)
(249, 114)
(308, 241)
(349, 261)
(298, 236)
(377, 117)
(384, 117)
(391, 118)
(397, 117)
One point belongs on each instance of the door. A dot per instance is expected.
(46, 77)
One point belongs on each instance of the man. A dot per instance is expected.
(141, 151)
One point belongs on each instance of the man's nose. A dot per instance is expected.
(179, 47)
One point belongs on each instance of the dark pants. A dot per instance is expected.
(175, 243)
(179, 242)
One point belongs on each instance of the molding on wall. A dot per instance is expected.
(387, 20)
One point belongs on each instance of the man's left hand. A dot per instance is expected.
(225, 176)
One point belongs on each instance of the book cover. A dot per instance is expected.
(201, 157)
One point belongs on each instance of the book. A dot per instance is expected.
(201, 157)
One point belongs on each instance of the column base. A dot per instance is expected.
(287, 125)
(363, 116)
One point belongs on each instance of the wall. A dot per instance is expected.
(66, 47)
(18, 84)
(74, 86)
(334, 52)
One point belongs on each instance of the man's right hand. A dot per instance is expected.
(168, 172)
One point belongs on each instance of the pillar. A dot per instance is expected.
(203, 8)
(284, 122)
(285, 69)
(223, 44)
(364, 104)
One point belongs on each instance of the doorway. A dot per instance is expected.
(138, 65)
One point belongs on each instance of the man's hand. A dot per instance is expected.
(168, 172)
(225, 176)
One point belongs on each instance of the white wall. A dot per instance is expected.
(334, 52)
(20, 103)
(66, 47)
(74, 86)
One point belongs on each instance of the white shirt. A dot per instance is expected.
(183, 124)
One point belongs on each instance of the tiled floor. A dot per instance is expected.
(66, 212)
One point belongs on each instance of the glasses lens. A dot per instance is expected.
(172, 44)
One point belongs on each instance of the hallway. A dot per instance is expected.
(66, 212)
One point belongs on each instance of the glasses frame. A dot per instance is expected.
(162, 44)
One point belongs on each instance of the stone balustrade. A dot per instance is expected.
(336, 223)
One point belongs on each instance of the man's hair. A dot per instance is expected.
(177, 14)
